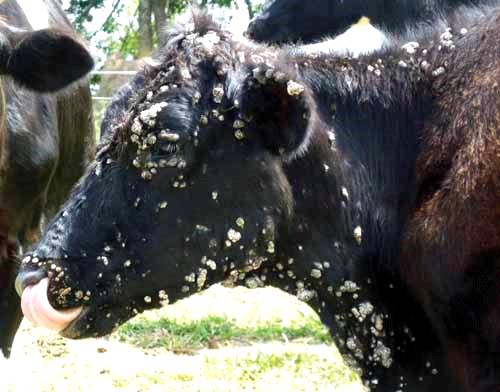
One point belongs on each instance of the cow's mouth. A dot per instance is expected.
(73, 323)
(38, 310)
(92, 320)
(96, 318)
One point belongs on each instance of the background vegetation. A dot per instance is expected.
(145, 21)
(124, 32)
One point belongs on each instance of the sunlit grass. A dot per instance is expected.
(214, 330)
(223, 340)
(310, 370)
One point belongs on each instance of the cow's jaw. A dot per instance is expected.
(38, 310)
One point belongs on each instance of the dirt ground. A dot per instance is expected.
(45, 362)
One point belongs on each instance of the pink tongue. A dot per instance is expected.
(39, 311)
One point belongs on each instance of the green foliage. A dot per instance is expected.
(81, 9)
(127, 45)
(127, 42)
(176, 7)
(220, 3)
(257, 9)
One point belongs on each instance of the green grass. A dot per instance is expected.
(193, 335)
(297, 364)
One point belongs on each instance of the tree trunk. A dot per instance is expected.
(145, 29)
(250, 8)
(160, 11)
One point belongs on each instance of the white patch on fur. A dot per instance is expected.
(357, 40)
(37, 13)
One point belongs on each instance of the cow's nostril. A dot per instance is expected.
(251, 30)
(25, 279)
(248, 33)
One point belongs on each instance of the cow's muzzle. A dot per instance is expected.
(32, 287)
(28, 278)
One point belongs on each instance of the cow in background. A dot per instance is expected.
(46, 139)
(283, 21)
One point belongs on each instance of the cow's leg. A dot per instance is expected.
(10, 309)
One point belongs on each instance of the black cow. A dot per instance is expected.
(367, 187)
(308, 21)
(46, 140)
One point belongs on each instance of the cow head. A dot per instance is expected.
(190, 189)
(44, 60)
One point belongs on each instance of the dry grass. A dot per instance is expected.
(45, 362)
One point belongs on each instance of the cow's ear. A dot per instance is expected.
(279, 107)
(45, 60)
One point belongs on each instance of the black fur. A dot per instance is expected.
(284, 21)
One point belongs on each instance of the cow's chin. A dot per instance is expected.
(76, 323)
(91, 320)
(38, 310)
(88, 324)
(100, 319)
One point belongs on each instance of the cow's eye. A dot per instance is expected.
(167, 142)
(168, 148)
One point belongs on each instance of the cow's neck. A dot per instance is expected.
(355, 186)
(352, 191)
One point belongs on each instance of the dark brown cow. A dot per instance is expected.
(45, 139)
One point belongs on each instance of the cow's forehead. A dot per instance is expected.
(220, 46)
(205, 42)
(175, 73)
(182, 72)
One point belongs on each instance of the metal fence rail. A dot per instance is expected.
(126, 73)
